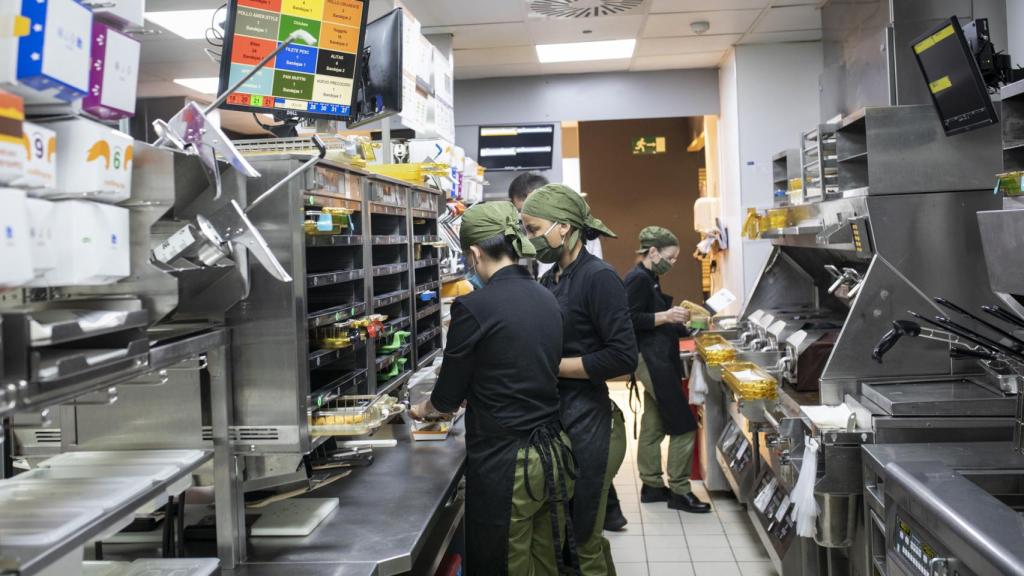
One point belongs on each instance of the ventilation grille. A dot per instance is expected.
(583, 8)
(47, 436)
(247, 433)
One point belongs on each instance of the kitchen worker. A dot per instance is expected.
(597, 344)
(518, 191)
(659, 325)
(502, 357)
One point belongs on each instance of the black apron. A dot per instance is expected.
(660, 351)
(587, 418)
(491, 451)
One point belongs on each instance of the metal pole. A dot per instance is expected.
(227, 482)
(385, 141)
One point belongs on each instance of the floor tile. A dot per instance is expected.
(670, 569)
(664, 529)
(736, 516)
(707, 541)
(711, 555)
(631, 568)
(624, 539)
(757, 569)
(749, 553)
(664, 541)
(628, 555)
(674, 554)
(716, 569)
(703, 528)
(689, 518)
(743, 540)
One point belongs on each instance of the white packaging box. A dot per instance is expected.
(40, 173)
(123, 14)
(51, 62)
(15, 239)
(443, 78)
(95, 160)
(12, 140)
(114, 77)
(44, 248)
(92, 243)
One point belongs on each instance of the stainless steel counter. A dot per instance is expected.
(399, 507)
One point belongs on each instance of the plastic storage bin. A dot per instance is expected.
(35, 525)
(715, 349)
(749, 381)
(103, 493)
(179, 458)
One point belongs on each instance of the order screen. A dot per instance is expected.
(313, 79)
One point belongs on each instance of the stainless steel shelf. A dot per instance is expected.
(35, 560)
(428, 286)
(426, 262)
(337, 240)
(335, 314)
(382, 240)
(427, 214)
(388, 269)
(426, 336)
(433, 308)
(426, 239)
(324, 357)
(429, 358)
(329, 278)
(388, 209)
(394, 384)
(337, 387)
(390, 298)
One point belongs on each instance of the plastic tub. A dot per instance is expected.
(179, 458)
(42, 526)
(155, 472)
(174, 567)
(105, 494)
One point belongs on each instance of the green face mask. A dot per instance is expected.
(661, 266)
(549, 254)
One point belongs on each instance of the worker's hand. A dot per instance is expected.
(422, 410)
(675, 315)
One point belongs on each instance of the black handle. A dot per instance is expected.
(958, 352)
(899, 329)
(1004, 315)
(1017, 343)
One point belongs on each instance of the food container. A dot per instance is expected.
(353, 415)
(715, 349)
(152, 472)
(749, 381)
(37, 525)
(778, 218)
(327, 221)
(104, 493)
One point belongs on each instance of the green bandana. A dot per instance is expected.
(489, 219)
(657, 237)
(559, 203)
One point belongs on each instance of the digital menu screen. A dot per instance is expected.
(305, 79)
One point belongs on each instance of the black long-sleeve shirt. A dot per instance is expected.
(643, 288)
(596, 316)
(503, 351)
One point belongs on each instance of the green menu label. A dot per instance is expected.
(293, 85)
(290, 24)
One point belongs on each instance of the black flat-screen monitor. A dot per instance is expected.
(525, 147)
(379, 84)
(954, 79)
(305, 80)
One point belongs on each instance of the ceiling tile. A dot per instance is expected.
(584, 67)
(498, 71)
(773, 37)
(497, 56)
(557, 30)
(485, 35)
(685, 44)
(676, 61)
(727, 22)
(659, 6)
(456, 12)
(786, 18)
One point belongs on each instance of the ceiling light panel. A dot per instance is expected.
(586, 51)
(204, 85)
(189, 24)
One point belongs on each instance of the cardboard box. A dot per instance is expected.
(92, 244)
(39, 176)
(15, 239)
(52, 60)
(12, 141)
(95, 160)
(114, 76)
(44, 248)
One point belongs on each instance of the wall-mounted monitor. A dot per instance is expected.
(524, 147)
(313, 80)
(378, 91)
(954, 79)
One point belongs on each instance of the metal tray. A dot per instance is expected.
(951, 396)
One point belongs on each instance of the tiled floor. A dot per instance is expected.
(663, 542)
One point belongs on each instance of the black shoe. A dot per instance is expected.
(688, 503)
(614, 521)
(651, 494)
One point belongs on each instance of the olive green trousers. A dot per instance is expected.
(648, 449)
(531, 538)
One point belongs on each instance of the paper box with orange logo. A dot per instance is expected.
(94, 161)
(12, 151)
(39, 146)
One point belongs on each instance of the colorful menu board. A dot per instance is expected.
(306, 79)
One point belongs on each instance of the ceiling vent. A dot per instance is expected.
(583, 8)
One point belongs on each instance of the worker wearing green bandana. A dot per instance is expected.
(501, 358)
(598, 344)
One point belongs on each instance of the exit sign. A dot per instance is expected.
(649, 145)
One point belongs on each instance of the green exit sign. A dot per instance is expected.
(649, 145)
